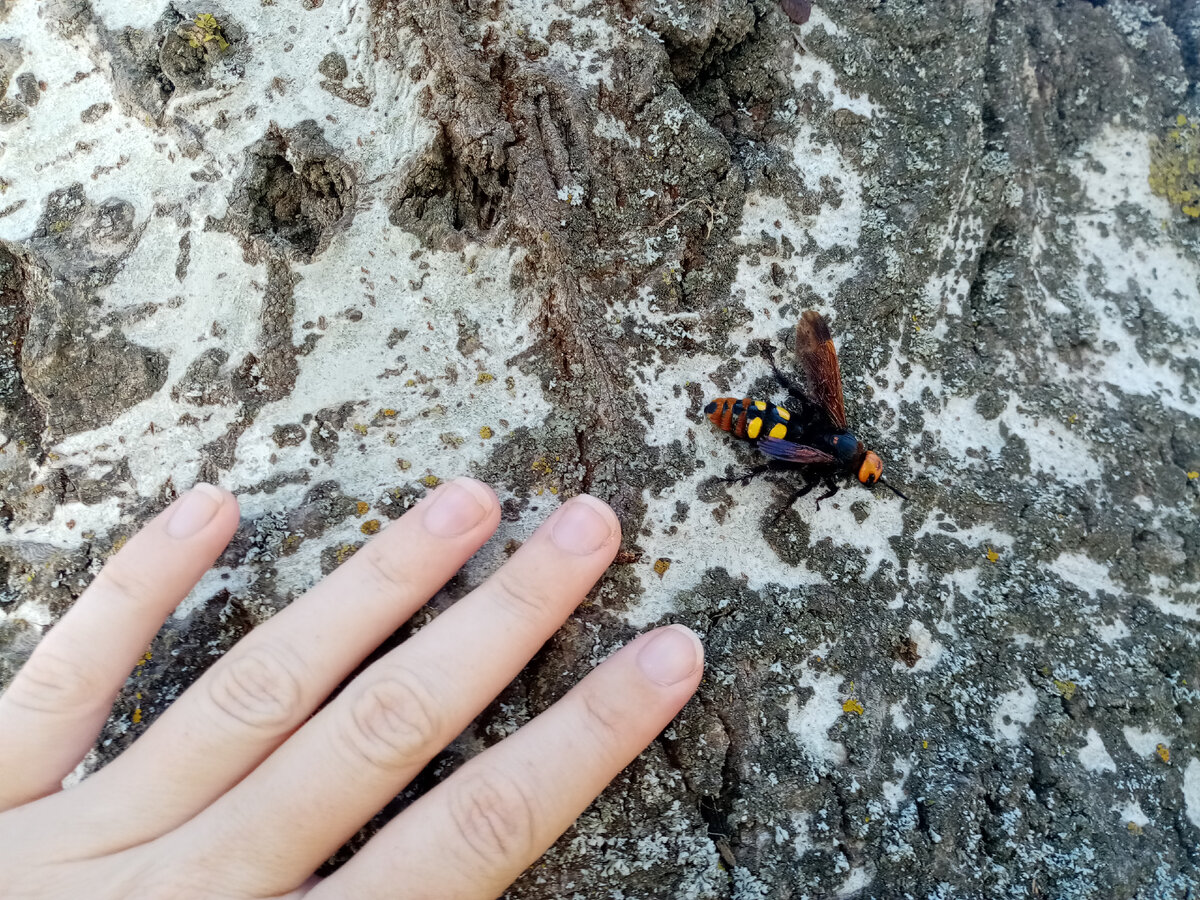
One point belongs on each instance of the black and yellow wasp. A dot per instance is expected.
(809, 433)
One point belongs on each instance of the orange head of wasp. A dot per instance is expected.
(870, 473)
(871, 469)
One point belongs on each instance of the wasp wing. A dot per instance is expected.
(814, 349)
(792, 452)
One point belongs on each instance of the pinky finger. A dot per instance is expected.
(472, 835)
(57, 703)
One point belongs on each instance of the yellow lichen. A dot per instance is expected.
(362, 506)
(1175, 166)
(431, 481)
(205, 33)
(371, 526)
(344, 552)
(485, 377)
(541, 466)
(404, 464)
(485, 433)
(388, 413)
(853, 706)
(360, 428)
(1066, 688)
(992, 555)
(1134, 828)
(1164, 752)
(661, 565)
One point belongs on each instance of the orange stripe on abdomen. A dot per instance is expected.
(740, 428)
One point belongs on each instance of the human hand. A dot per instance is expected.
(235, 792)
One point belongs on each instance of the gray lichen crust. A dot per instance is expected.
(330, 257)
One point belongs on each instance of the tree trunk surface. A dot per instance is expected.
(328, 254)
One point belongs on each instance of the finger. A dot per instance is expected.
(473, 834)
(54, 708)
(384, 727)
(252, 699)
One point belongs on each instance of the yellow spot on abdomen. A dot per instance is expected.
(760, 405)
(783, 414)
(778, 430)
(753, 427)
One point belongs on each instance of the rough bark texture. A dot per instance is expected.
(360, 248)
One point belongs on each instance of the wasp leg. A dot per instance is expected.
(746, 477)
(786, 383)
(796, 495)
(834, 487)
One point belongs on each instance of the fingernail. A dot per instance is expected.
(195, 509)
(581, 528)
(457, 508)
(671, 655)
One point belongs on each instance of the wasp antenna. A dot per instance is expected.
(894, 490)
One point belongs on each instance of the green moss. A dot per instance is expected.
(1175, 165)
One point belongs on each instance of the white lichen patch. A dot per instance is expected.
(901, 720)
(859, 879)
(237, 581)
(1014, 710)
(1130, 813)
(973, 537)
(809, 69)
(588, 50)
(1191, 791)
(1156, 269)
(1112, 632)
(810, 723)
(962, 239)
(893, 791)
(1174, 598)
(1084, 573)
(1144, 742)
(1093, 755)
(833, 228)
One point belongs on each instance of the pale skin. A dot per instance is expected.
(239, 791)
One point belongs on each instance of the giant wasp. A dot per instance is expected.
(809, 433)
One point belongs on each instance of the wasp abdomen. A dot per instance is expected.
(747, 418)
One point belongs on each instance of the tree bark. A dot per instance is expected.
(329, 255)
